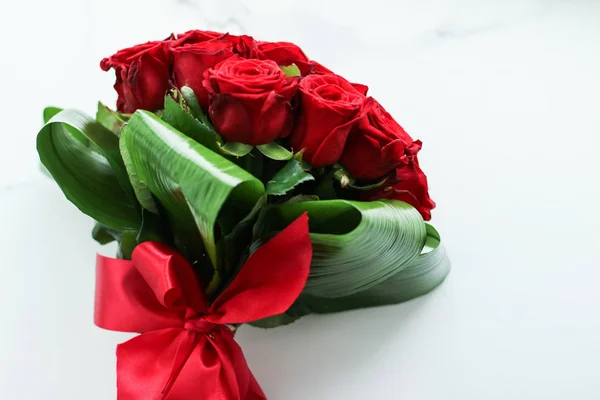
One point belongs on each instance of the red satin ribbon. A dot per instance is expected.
(186, 351)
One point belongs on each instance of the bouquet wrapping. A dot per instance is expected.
(244, 183)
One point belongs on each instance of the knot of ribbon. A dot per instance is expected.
(201, 325)
(186, 351)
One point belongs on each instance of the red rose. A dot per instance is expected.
(243, 45)
(195, 36)
(319, 69)
(378, 145)
(191, 60)
(143, 73)
(329, 110)
(250, 100)
(284, 53)
(408, 185)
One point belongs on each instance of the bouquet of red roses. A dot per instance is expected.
(243, 183)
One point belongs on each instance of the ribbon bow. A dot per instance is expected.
(186, 350)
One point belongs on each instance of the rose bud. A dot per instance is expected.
(143, 73)
(378, 145)
(409, 184)
(284, 53)
(191, 60)
(243, 45)
(195, 36)
(329, 109)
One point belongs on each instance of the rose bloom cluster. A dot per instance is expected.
(250, 99)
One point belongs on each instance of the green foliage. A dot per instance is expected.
(236, 149)
(189, 97)
(291, 70)
(109, 119)
(275, 151)
(274, 321)
(420, 276)
(175, 115)
(192, 183)
(364, 254)
(287, 178)
(83, 158)
(50, 112)
(172, 179)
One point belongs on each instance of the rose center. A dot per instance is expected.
(331, 92)
(250, 71)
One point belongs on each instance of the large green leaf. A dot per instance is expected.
(356, 245)
(50, 112)
(83, 158)
(364, 255)
(421, 276)
(191, 182)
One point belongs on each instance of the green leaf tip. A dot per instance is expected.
(236, 149)
(291, 70)
(275, 151)
(287, 178)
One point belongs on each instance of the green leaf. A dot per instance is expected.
(356, 245)
(303, 197)
(236, 149)
(287, 178)
(184, 122)
(325, 187)
(152, 229)
(291, 70)
(127, 240)
(235, 244)
(421, 276)
(83, 158)
(275, 152)
(190, 98)
(192, 101)
(104, 235)
(109, 119)
(127, 243)
(367, 187)
(191, 182)
(274, 321)
(142, 193)
(50, 112)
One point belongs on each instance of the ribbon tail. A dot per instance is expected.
(148, 366)
(215, 370)
(183, 353)
(231, 353)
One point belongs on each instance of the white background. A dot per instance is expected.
(504, 95)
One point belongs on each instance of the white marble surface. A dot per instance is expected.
(504, 95)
